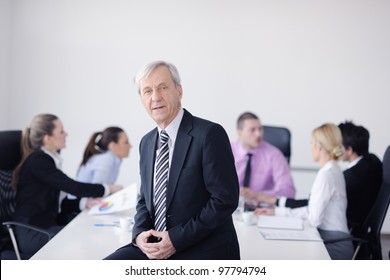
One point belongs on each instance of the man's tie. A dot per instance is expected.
(162, 166)
(247, 171)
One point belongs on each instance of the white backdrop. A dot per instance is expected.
(294, 63)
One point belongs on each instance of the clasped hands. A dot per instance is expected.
(258, 197)
(160, 250)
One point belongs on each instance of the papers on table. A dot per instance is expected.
(285, 228)
(291, 235)
(279, 222)
(122, 200)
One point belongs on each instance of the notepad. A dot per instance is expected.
(278, 222)
(291, 235)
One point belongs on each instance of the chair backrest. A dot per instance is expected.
(378, 212)
(10, 149)
(10, 156)
(280, 137)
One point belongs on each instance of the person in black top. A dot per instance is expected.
(363, 177)
(38, 181)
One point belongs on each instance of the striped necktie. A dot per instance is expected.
(161, 182)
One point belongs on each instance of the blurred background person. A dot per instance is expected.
(261, 167)
(100, 164)
(38, 180)
(363, 176)
(326, 207)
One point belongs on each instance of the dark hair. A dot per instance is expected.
(99, 141)
(32, 139)
(356, 137)
(245, 116)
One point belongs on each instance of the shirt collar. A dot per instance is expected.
(242, 152)
(115, 157)
(355, 161)
(56, 157)
(173, 127)
(329, 164)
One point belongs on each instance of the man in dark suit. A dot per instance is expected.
(363, 177)
(189, 186)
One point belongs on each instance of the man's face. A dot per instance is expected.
(347, 153)
(251, 134)
(160, 96)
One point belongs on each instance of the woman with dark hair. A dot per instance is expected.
(103, 156)
(38, 180)
(100, 165)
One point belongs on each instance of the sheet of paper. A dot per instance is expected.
(291, 235)
(122, 200)
(280, 222)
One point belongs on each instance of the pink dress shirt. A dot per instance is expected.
(270, 172)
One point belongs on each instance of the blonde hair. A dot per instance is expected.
(329, 137)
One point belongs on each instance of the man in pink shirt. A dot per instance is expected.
(261, 167)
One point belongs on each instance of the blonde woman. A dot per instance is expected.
(326, 207)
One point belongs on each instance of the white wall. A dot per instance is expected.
(294, 63)
(5, 53)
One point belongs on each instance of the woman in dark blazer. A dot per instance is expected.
(38, 180)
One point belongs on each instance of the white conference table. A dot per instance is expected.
(81, 239)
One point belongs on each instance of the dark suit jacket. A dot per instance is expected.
(202, 191)
(38, 189)
(363, 182)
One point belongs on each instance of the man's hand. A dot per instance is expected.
(259, 197)
(248, 194)
(141, 240)
(264, 211)
(159, 250)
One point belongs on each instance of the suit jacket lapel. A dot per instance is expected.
(182, 144)
(150, 154)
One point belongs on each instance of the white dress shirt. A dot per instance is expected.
(171, 130)
(327, 203)
(100, 168)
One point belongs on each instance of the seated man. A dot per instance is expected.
(261, 168)
(363, 177)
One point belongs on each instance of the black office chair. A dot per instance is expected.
(280, 137)
(369, 247)
(10, 156)
(379, 211)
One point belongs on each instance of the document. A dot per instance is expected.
(291, 235)
(122, 200)
(279, 222)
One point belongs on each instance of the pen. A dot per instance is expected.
(105, 225)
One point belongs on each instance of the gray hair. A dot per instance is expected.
(148, 68)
